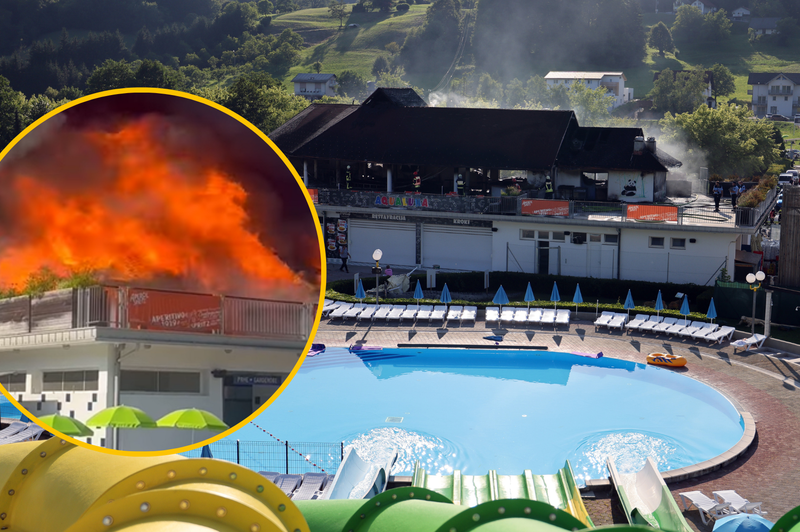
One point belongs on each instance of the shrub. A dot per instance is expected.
(359, 8)
(402, 7)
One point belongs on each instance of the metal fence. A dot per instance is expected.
(280, 457)
(140, 308)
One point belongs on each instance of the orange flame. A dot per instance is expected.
(156, 216)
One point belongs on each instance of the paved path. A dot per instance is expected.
(766, 385)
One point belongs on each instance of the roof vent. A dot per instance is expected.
(638, 144)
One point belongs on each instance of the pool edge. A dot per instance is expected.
(702, 468)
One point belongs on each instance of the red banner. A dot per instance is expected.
(173, 311)
(538, 207)
(661, 213)
(314, 193)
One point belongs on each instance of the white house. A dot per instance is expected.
(764, 26)
(614, 82)
(76, 352)
(314, 86)
(740, 12)
(704, 6)
(775, 93)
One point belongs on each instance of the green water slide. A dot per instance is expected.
(558, 490)
(646, 500)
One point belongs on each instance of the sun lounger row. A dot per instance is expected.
(31, 432)
(522, 316)
(724, 503)
(697, 330)
(388, 312)
(611, 320)
(300, 487)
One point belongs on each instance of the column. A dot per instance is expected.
(305, 173)
(389, 187)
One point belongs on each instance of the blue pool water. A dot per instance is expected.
(509, 411)
(7, 409)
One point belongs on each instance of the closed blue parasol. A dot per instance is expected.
(529, 295)
(743, 523)
(500, 298)
(554, 295)
(712, 311)
(659, 303)
(360, 293)
(578, 297)
(685, 309)
(629, 303)
(445, 295)
(206, 452)
(418, 293)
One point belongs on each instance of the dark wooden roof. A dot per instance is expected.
(607, 148)
(397, 97)
(763, 78)
(436, 136)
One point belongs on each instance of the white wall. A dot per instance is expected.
(630, 187)
(695, 264)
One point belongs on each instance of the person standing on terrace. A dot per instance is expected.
(717, 191)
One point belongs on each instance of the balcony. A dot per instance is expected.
(601, 211)
(774, 92)
(156, 310)
(750, 92)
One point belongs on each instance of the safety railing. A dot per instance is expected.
(279, 457)
(159, 310)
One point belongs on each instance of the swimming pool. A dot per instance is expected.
(477, 410)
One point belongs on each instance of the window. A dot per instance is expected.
(527, 234)
(14, 382)
(656, 242)
(773, 98)
(559, 236)
(544, 235)
(678, 243)
(612, 239)
(595, 238)
(68, 381)
(159, 381)
(785, 98)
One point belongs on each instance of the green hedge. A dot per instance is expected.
(516, 283)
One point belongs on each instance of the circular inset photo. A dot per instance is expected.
(160, 273)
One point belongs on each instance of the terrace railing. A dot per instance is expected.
(558, 208)
(160, 310)
(293, 458)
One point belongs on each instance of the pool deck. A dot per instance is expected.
(764, 383)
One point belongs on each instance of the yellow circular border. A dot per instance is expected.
(323, 262)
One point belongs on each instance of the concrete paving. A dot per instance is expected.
(764, 383)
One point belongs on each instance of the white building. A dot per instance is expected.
(775, 93)
(614, 82)
(704, 6)
(764, 26)
(740, 12)
(78, 352)
(315, 86)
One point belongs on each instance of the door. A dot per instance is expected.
(397, 241)
(457, 248)
(544, 258)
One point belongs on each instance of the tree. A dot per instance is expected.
(661, 39)
(351, 84)
(515, 93)
(154, 74)
(429, 50)
(111, 75)
(724, 82)
(383, 5)
(10, 102)
(317, 66)
(392, 48)
(489, 89)
(786, 27)
(262, 100)
(338, 9)
(380, 66)
(679, 92)
(688, 25)
(717, 26)
(590, 105)
(730, 140)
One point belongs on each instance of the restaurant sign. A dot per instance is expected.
(400, 201)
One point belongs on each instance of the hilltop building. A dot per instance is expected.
(315, 86)
(764, 26)
(775, 93)
(705, 6)
(76, 352)
(427, 186)
(614, 82)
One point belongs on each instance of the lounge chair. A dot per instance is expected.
(535, 315)
(618, 321)
(353, 312)
(455, 312)
(396, 312)
(329, 306)
(603, 320)
(492, 315)
(650, 323)
(507, 316)
(288, 483)
(13, 428)
(439, 312)
(757, 340)
(701, 333)
(548, 317)
(425, 312)
(664, 325)
(29, 434)
(677, 327)
(382, 312)
(636, 322)
(562, 317)
(312, 483)
(739, 503)
(709, 508)
(269, 475)
(340, 311)
(521, 315)
(368, 313)
(717, 336)
(692, 328)
(409, 313)
(468, 314)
